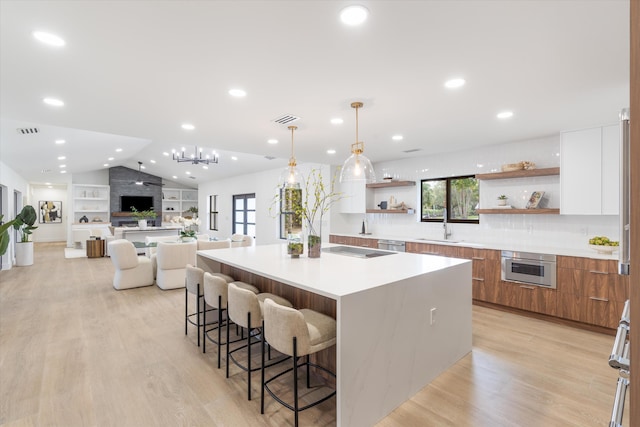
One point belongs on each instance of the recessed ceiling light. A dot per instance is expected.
(272, 141)
(63, 171)
(50, 186)
(48, 38)
(454, 83)
(188, 126)
(165, 153)
(479, 165)
(337, 121)
(152, 161)
(62, 166)
(238, 93)
(331, 151)
(205, 167)
(60, 141)
(354, 15)
(105, 165)
(234, 158)
(61, 157)
(118, 150)
(111, 158)
(142, 167)
(47, 183)
(504, 114)
(53, 102)
(397, 137)
(175, 177)
(188, 173)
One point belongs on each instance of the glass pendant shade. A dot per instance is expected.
(291, 178)
(357, 168)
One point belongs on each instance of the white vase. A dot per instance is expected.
(502, 202)
(142, 224)
(24, 254)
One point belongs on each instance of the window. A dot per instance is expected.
(213, 212)
(290, 222)
(461, 194)
(244, 214)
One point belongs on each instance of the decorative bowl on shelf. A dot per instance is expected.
(604, 249)
(510, 167)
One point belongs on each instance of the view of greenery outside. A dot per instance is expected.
(461, 194)
(290, 222)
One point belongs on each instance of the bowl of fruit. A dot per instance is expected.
(603, 245)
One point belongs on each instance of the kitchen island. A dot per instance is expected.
(402, 319)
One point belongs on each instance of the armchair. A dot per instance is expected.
(132, 271)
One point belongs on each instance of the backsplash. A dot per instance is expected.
(562, 231)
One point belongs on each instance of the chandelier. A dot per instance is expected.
(357, 167)
(196, 157)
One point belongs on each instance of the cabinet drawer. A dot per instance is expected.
(528, 297)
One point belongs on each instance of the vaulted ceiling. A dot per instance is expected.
(132, 72)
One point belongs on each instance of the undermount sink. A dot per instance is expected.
(424, 239)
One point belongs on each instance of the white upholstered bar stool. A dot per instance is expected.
(245, 310)
(216, 289)
(296, 333)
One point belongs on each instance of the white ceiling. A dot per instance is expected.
(133, 71)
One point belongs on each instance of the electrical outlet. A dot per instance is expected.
(433, 316)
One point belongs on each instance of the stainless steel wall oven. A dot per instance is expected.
(531, 268)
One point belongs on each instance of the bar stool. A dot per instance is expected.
(245, 310)
(193, 283)
(296, 333)
(215, 295)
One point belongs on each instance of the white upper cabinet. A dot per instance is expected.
(589, 171)
(354, 197)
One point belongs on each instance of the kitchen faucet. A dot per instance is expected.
(447, 233)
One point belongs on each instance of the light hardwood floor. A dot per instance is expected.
(75, 352)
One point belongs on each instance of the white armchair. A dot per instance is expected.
(213, 244)
(241, 240)
(172, 261)
(132, 271)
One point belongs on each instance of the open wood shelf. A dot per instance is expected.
(389, 211)
(549, 211)
(519, 173)
(391, 184)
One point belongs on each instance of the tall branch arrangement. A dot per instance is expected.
(318, 199)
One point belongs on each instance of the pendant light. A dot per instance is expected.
(357, 167)
(290, 177)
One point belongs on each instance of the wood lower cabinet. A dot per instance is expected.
(354, 241)
(591, 291)
(528, 297)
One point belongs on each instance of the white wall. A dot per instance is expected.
(10, 182)
(56, 232)
(265, 186)
(562, 231)
(98, 177)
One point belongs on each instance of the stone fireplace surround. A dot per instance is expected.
(122, 182)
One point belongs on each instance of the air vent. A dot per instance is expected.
(192, 177)
(286, 119)
(45, 171)
(27, 131)
(413, 150)
(269, 157)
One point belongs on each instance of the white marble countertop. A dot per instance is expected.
(510, 246)
(331, 275)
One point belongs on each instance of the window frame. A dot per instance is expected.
(448, 218)
(245, 197)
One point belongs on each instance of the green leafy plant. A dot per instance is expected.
(150, 213)
(23, 222)
(502, 197)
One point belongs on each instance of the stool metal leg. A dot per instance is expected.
(249, 356)
(198, 311)
(186, 311)
(262, 371)
(295, 380)
(308, 381)
(219, 326)
(228, 348)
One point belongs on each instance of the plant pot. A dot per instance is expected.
(314, 243)
(24, 254)
(185, 239)
(502, 202)
(142, 224)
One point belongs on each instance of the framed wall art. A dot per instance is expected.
(50, 212)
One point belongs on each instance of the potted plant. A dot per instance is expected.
(23, 222)
(142, 216)
(188, 232)
(194, 211)
(502, 200)
(318, 199)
